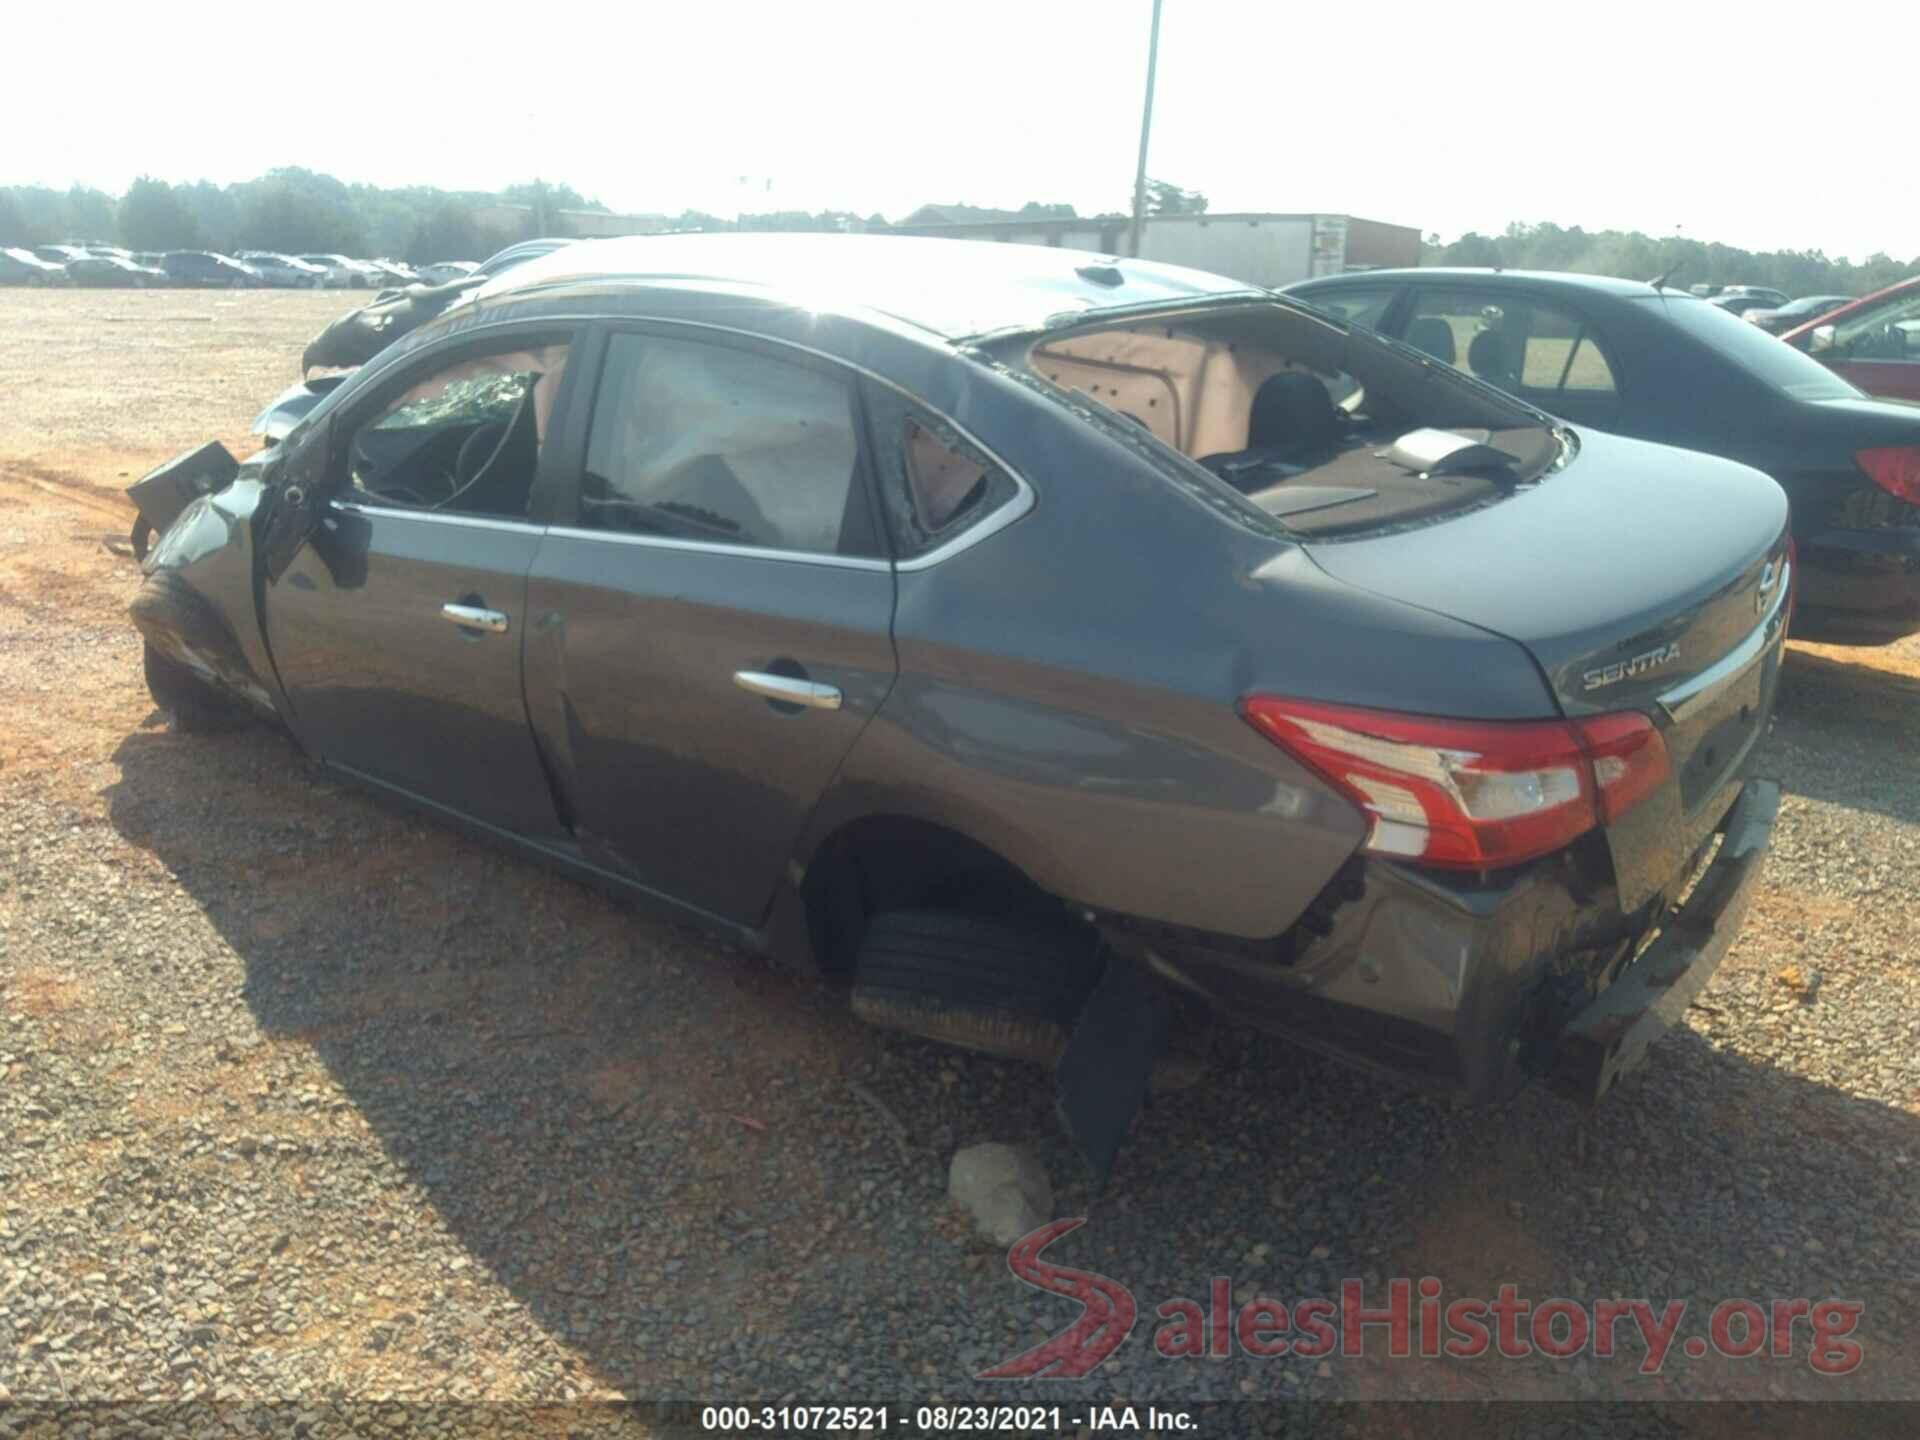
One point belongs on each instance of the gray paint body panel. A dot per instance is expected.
(1063, 692)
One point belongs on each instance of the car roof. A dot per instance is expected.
(952, 288)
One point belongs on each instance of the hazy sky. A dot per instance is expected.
(1450, 118)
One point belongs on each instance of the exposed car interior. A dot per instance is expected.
(1303, 418)
(467, 439)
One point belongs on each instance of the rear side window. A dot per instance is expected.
(1362, 305)
(935, 486)
(706, 442)
(1754, 351)
(1512, 341)
(946, 479)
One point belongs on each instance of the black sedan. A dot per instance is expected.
(1002, 629)
(1662, 365)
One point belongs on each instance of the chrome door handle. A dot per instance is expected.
(473, 617)
(788, 690)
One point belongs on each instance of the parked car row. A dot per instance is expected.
(1015, 636)
(99, 264)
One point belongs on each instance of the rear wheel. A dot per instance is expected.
(196, 707)
(983, 982)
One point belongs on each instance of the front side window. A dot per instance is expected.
(1887, 331)
(1512, 341)
(465, 438)
(706, 442)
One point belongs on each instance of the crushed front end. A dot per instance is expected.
(196, 604)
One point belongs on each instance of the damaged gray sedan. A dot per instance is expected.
(1021, 638)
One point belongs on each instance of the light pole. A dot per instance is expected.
(1146, 128)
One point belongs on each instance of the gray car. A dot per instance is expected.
(1023, 638)
(23, 267)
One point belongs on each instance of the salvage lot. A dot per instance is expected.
(303, 1096)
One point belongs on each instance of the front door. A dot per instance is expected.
(712, 629)
(397, 629)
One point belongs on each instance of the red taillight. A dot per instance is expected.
(1629, 760)
(1470, 794)
(1895, 469)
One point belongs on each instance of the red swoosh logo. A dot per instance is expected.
(1106, 1314)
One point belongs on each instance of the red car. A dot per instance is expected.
(1874, 342)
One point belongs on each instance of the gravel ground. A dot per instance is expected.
(301, 1098)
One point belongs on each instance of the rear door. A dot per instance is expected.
(713, 622)
(1546, 351)
(397, 628)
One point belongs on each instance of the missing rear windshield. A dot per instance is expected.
(1323, 430)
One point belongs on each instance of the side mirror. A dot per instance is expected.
(1822, 339)
(296, 498)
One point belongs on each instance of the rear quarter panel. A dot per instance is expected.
(1068, 687)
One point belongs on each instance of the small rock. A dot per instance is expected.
(1003, 1189)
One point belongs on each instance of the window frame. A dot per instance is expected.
(564, 512)
(396, 379)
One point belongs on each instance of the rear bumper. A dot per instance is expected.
(1478, 985)
(1612, 1034)
(1859, 586)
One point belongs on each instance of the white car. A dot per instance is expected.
(445, 272)
(394, 272)
(284, 271)
(343, 272)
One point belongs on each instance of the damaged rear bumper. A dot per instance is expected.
(1478, 984)
(1612, 1034)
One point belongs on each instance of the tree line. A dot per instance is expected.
(1685, 262)
(299, 211)
(289, 210)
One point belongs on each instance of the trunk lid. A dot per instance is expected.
(1639, 577)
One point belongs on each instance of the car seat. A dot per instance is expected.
(1491, 358)
(1292, 424)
